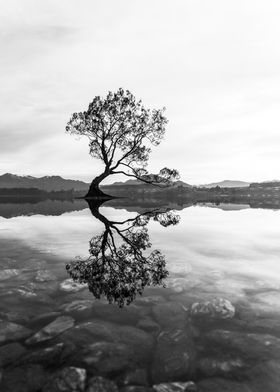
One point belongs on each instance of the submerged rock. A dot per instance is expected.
(265, 377)
(170, 314)
(140, 341)
(70, 286)
(148, 325)
(135, 377)
(223, 385)
(8, 273)
(79, 308)
(174, 356)
(10, 353)
(11, 331)
(44, 276)
(188, 386)
(51, 330)
(27, 378)
(251, 345)
(25, 292)
(16, 317)
(136, 388)
(273, 325)
(128, 315)
(69, 379)
(43, 319)
(218, 308)
(105, 357)
(150, 300)
(48, 356)
(266, 304)
(178, 285)
(220, 367)
(101, 384)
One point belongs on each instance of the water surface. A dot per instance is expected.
(215, 320)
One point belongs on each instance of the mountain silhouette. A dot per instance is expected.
(47, 183)
(226, 184)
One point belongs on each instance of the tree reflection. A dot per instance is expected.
(120, 265)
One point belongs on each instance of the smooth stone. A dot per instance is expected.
(246, 312)
(50, 287)
(7, 261)
(170, 314)
(15, 317)
(79, 337)
(178, 285)
(174, 356)
(188, 386)
(127, 315)
(10, 353)
(11, 331)
(36, 263)
(218, 308)
(69, 379)
(8, 273)
(265, 285)
(267, 324)
(44, 319)
(101, 384)
(136, 377)
(44, 276)
(48, 356)
(148, 325)
(150, 300)
(27, 378)
(218, 367)
(70, 286)
(186, 299)
(79, 308)
(267, 304)
(136, 388)
(270, 298)
(108, 357)
(140, 341)
(25, 292)
(264, 377)
(223, 385)
(51, 330)
(251, 345)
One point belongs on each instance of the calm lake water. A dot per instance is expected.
(214, 320)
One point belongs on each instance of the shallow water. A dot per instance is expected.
(216, 322)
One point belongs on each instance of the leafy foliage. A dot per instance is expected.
(121, 132)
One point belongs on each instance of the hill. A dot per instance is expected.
(137, 182)
(226, 184)
(47, 183)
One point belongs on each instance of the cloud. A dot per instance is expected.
(214, 65)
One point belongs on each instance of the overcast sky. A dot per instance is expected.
(215, 66)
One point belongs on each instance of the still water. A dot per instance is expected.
(188, 293)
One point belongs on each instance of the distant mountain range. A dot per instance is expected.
(137, 182)
(47, 183)
(57, 183)
(222, 184)
(226, 184)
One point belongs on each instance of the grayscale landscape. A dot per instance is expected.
(140, 196)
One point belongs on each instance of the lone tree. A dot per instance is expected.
(121, 132)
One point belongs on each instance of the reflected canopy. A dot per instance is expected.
(120, 264)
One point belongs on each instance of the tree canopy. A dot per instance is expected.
(121, 132)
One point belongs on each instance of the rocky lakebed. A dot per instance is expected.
(55, 336)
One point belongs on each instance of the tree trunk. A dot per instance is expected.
(94, 191)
